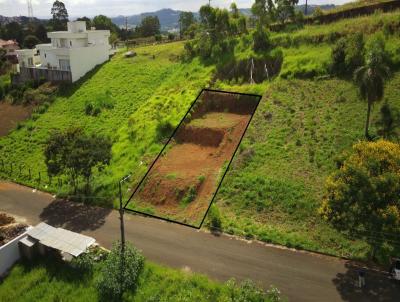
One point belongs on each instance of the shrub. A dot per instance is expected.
(214, 218)
(83, 263)
(189, 196)
(158, 38)
(348, 54)
(164, 129)
(363, 193)
(113, 281)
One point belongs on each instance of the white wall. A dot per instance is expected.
(85, 59)
(9, 254)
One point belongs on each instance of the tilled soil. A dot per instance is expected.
(182, 182)
(10, 115)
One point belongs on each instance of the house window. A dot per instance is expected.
(64, 65)
(30, 61)
(70, 43)
(63, 43)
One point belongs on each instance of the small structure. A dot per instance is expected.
(69, 56)
(10, 46)
(44, 238)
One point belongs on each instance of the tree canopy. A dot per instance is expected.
(150, 26)
(75, 153)
(120, 272)
(60, 15)
(363, 194)
(371, 77)
(186, 19)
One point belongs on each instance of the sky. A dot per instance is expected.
(76, 8)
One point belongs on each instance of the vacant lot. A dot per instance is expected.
(184, 179)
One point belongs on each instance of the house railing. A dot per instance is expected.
(39, 74)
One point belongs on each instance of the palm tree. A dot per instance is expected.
(370, 79)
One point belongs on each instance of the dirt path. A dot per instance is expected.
(10, 115)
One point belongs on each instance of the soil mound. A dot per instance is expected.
(200, 136)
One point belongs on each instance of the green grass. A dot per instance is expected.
(276, 182)
(142, 91)
(316, 34)
(55, 281)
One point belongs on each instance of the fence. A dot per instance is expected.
(60, 185)
(38, 74)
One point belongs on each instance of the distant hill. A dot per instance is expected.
(20, 19)
(169, 18)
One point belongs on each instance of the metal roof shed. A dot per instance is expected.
(61, 239)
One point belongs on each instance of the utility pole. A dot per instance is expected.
(122, 228)
(126, 32)
(209, 2)
(306, 9)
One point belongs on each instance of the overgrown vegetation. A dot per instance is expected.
(310, 114)
(362, 195)
(52, 280)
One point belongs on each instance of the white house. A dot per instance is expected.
(69, 56)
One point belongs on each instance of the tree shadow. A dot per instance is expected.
(74, 216)
(378, 286)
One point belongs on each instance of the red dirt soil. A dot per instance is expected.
(10, 115)
(194, 162)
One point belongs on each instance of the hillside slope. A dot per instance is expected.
(275, 185)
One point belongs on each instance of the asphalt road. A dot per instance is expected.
(300, 276)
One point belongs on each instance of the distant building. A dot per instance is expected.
(69, 56)
(10, 46)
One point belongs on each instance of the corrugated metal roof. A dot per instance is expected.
(28, 241)
(61, 239)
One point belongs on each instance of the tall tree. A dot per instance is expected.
(74, 153)
(41, 33)
(102, 22)
(31, 41)
(363, 195)
(60, 15)
(150, 26)
(186, 19)
(370, 78)
(285, 10)
(234, 10)
(264, 11)
(14, 31)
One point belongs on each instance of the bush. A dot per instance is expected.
(348, 54)
(214, 218)
(171, 37)
(113, 282)
(158, 38)
(164, 129)
(248, 291)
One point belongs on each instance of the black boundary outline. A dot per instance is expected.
(166, 144)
